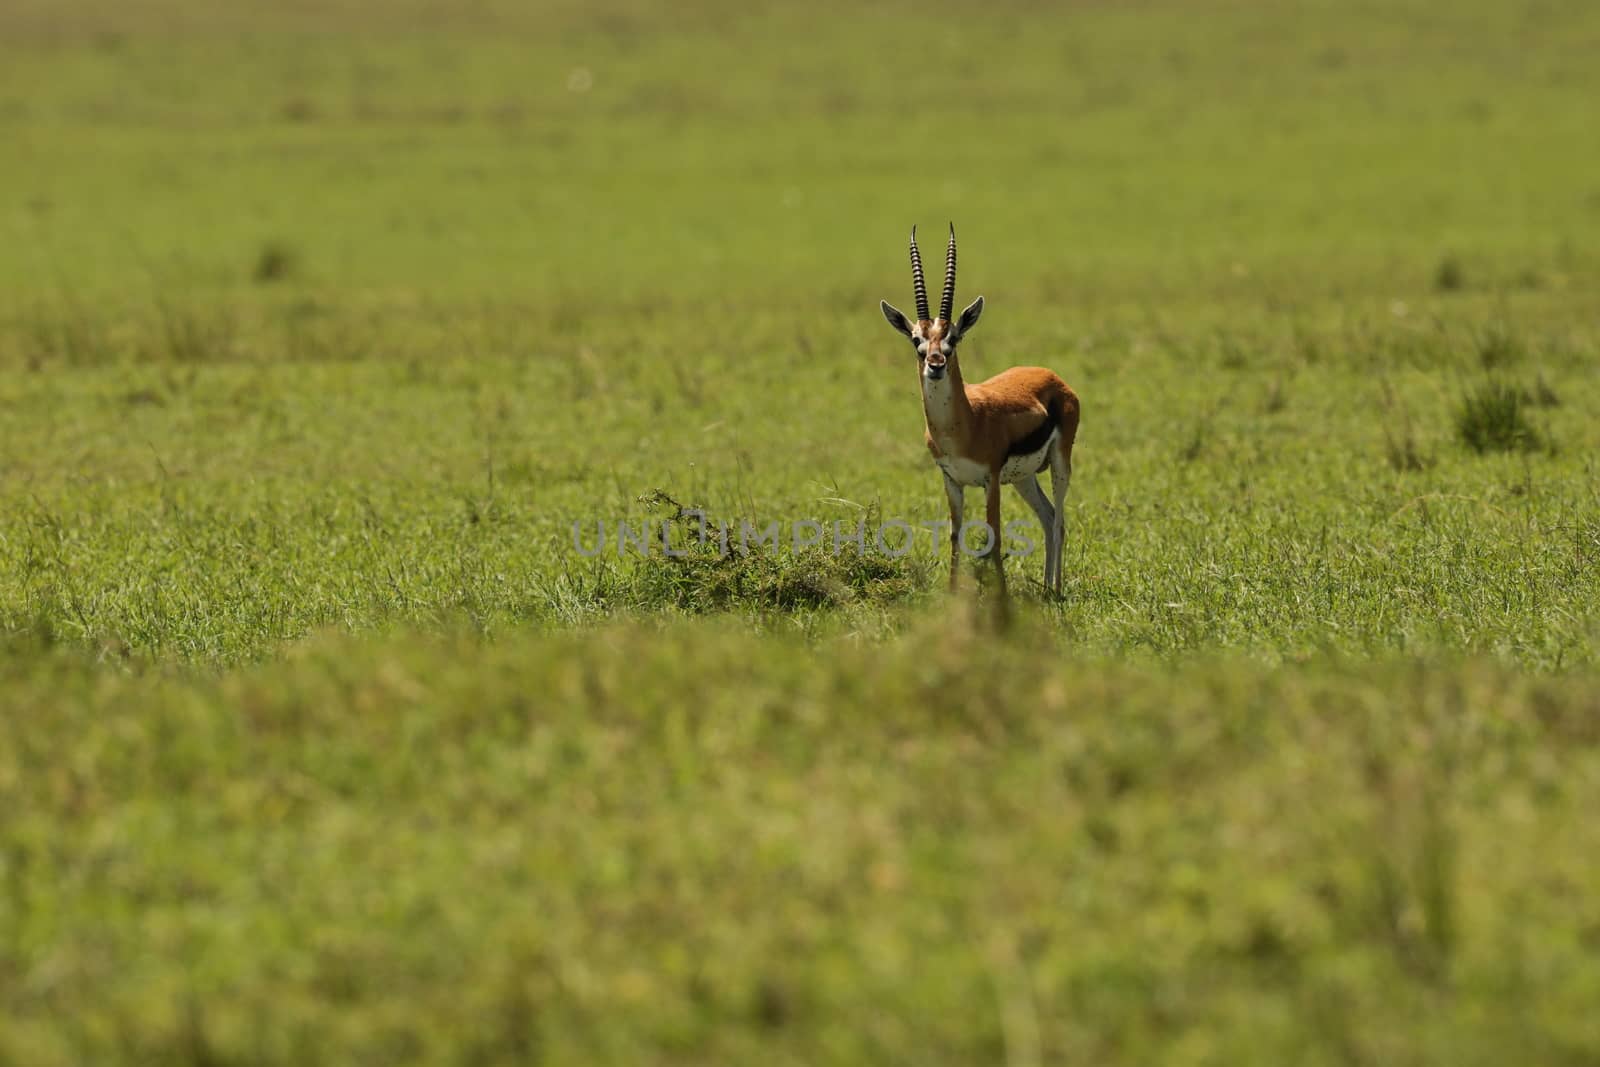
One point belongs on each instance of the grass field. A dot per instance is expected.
(321, 741)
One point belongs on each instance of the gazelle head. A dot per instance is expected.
(934, 338)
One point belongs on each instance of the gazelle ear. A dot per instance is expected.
(896, 319)
(969, 319)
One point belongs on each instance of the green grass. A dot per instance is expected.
(692, 845)
(320, 329)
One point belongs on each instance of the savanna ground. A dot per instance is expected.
(320, 742)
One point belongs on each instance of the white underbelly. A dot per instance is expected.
(967, 472)
(964, 471)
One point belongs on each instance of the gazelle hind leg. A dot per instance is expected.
(1028, 488)
(1060, 479)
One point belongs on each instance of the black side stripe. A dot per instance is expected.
(1037, 437)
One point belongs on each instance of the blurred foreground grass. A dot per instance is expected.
(692, 845)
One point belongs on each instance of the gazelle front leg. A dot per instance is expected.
(955, 495)
(992, 516)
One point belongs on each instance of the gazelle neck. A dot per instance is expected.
(944, 402)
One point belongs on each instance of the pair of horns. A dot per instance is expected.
(947, 301)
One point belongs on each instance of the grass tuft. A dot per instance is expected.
(276, 261)
(1498, 347)
(1277, 397)
(1401, 448)
(299, 110)
(716, 574)
(188, 332)
(1493, 417)
(1449, 276)
(1194, 443)
(64, 332)
(1543, 394)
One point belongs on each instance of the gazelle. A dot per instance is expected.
(1003, 431)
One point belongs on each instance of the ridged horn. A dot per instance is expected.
(916, 277)
(947, 302)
